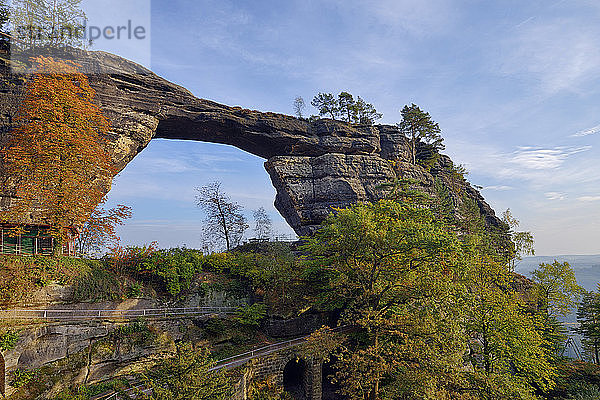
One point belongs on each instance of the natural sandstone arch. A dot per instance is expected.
(295, 378)
(314, 166)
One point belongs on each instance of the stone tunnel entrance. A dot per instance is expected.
(295, 379)
(2, 376)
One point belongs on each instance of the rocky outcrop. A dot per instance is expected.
(313, 165)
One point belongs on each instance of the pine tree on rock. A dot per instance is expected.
(418, 126)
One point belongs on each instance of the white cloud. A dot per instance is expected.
(544, 168)
(587, 132)
(498, 187)
(589, 198)
(555, 195)
(539, 158)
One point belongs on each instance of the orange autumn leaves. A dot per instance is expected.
(58, 153)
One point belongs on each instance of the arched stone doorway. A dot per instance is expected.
(2, 375)
(295, 379)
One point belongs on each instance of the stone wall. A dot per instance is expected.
(273, 365)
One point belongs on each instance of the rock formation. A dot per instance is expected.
(314, 166)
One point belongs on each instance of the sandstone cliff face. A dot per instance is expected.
(313, 166)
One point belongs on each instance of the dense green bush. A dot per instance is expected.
(251, 315)
(97, 284)
(139, 332)
(22, 377)
(8, 340)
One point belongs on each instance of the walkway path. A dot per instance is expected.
(94, 314)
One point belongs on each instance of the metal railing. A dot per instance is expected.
(57, 314)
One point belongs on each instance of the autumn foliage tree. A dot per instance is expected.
(58, 153)
(100, 229)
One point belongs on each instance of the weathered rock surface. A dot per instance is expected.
(313, 165)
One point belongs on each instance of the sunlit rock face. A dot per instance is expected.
(314, 166)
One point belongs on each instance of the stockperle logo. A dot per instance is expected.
(51, 28)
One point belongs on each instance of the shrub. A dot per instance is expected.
(135, 290)
(20, 276)
(251, 315)
(138, 332)
(171, 269)
(22, 377)
(96, 285)
(8, 340)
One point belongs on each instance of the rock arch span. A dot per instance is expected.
(314, 166)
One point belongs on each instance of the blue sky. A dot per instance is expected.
(514, 86)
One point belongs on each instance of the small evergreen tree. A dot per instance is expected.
(187, 376)
(365, 113)
(327, 104)
(346, 106)
(418, 126)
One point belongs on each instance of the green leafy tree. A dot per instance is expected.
(557, 287)
(508, 349)
(391, 266)
(8, 340)
(523, 241)
(187, 376)
(418, 126)
(327, 104)
(251, 315)
(588, 316)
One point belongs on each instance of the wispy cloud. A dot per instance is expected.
(498, 187)
(587, 132)
(555, 195)
(561, 53)
(545, 168)
(589, 198)
(540, 158)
